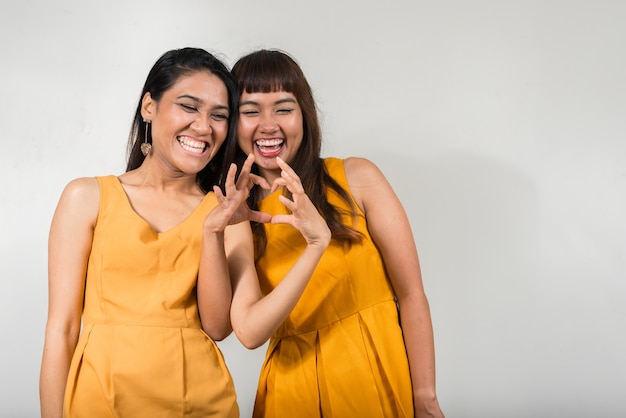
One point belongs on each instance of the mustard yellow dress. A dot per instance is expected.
(142, 351)
(341, 352)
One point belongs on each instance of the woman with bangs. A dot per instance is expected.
(353, 337)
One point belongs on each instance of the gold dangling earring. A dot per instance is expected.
(146, 147)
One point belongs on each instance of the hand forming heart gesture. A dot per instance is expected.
(304, 215)
(232, 208)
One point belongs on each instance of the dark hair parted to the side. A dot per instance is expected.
(267, 71)
(164, 74)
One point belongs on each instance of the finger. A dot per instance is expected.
(286, 167)
(249, 161)
(282, 219)
(292, 184)
(259, 181)
(218, 194)
(277, 184)
(243, 180)
(262, 217)
(289, 204)
(230, 179)
(292, 181)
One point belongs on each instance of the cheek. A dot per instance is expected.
(244, 128)
(297, 131)
(220, 131)
(244, 135)
(297, 127)
(244, 144)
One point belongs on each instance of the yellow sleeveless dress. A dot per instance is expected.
(341, 352)
(142, 351)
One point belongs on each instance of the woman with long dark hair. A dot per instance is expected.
(140, 259)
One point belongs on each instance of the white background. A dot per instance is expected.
(501, 125)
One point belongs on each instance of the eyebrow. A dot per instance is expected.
(277, 102)
(198, 100)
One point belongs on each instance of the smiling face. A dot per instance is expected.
(270, 126)
(189, 122)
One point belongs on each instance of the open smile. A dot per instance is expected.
(269, 147)
(192, 145)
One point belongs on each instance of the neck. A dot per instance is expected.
(161, 178)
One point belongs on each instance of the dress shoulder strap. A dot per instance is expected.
(336, 170)
(111, 193)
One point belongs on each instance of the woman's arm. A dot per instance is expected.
(254, 317)
(69, 245)
(214, 283)
(214, 289)
(391, 231)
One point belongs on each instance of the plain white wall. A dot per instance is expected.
(499, 123)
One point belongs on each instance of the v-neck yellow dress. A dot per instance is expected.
(142, 351)
(340, 353)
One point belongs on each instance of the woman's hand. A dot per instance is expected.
(232, 208)
(304, 215)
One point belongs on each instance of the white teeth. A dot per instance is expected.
(268, 142)
(192, 145)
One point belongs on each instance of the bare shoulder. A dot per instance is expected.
(83, 188)
(81, 198)
(361, 172)
(366, 182)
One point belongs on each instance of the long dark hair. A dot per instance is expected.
(164, 74)
(266, 71)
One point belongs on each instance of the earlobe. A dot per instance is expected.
(147, 106)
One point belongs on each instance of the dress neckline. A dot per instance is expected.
(129, 206)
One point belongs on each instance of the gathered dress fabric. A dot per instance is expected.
(341, 352)
(142, 351)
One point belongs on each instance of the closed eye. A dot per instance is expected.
(219, 116)
(188, 108)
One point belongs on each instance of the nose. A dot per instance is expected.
(202, 125)
(268, 123)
